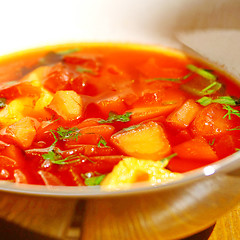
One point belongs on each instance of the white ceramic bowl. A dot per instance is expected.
(172, 210)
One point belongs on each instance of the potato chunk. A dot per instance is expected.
(131, 170)
(22, 132)
(15, 110)
(145, 141)
(67, 104)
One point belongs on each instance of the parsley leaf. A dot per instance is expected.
(114, 117)
(102, 142)
(68, 133)
(93, 181)
(227, 100)
(2, 102)
(231, 111)
(54, 157)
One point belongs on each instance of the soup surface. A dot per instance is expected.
(112, 115)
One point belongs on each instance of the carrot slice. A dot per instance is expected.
(146, 141)
(183, 116)
(196, 149)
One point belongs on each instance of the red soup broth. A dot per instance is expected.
(72, 113)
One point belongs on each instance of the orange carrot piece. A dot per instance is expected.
(183, 116)
(147, 141)
(196, 149)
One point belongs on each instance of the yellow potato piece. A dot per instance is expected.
(44, 100)
(148, 141)
(16, 110)
(131, 170)
(67, 104)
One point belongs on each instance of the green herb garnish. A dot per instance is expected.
(84, 70)
(68, 51)
(169, 79)
(54, 157)
(227, 100)
(213, 141)
(231, 111)
(204, 101)
(114, 117)
(166, 160)
(212, 88)
(234, 129)
(68, 133)
(3, 102)
(102, 142)
(202, 72)
(131, 127)
(93, 181)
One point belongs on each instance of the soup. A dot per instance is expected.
(112, 115)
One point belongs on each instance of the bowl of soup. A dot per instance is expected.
(113, 109)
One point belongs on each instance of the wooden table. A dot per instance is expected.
(33, 218)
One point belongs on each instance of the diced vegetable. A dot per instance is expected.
(196, 149)
(67, 104)
(210, 122)
(140, 114)
(147, 141)
(22, 132)
(183, 116)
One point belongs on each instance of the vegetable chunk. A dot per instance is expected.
(183, 116)
(131, 170)
(145, 141)
(196, 149)
(22, 132)
(67, 104)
